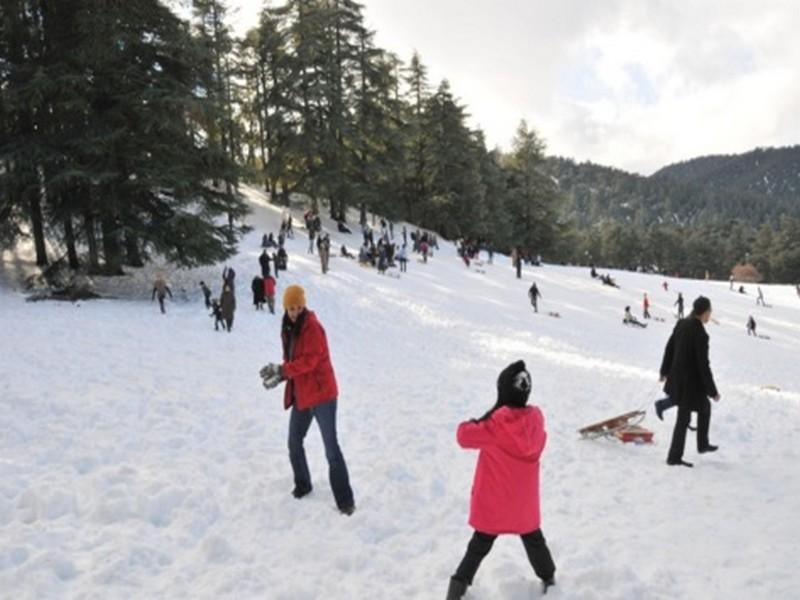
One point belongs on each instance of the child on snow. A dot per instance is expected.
(216, 312)
(505, 492)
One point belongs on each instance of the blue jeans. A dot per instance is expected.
(299, 422)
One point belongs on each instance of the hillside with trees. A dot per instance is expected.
(127, 128)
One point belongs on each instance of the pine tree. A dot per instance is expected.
(533, 199)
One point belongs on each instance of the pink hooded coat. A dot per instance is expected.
(505, 492)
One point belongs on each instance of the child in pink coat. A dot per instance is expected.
(505, 492)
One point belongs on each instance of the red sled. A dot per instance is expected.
(636, 434)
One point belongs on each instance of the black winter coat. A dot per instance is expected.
(685, 365)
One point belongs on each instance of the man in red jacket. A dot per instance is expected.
(311, 393)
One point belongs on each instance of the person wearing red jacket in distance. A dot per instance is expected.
(505, 492)
(311, 393)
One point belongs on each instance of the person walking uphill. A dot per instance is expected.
(534, 294)
(311, 393)
(161, 289)
(689, 382)
(227, 302)
(505, 492)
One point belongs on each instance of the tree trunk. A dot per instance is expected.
(69, 238)
(38, 229)
(112, 253)
(91, 240)
(133, 257)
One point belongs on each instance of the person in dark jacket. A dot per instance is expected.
(534, 294)
(689, 382)
(679, 304)
(751, 326)
(264, 260)
(206, 293)
(258, 292)
(311, 392)
(216, 312)
(227, 302)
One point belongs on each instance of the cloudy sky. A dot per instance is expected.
(635, 84)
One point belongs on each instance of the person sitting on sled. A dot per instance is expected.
(629, 319)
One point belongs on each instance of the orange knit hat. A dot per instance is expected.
(294, 295)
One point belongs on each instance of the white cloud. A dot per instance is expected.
(626, 83)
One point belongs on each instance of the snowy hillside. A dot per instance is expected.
(141, 458)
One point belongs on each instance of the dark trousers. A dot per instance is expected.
(161, 304)
(682, 423)
(229, 323)
(480, 544)
(299, 422)
(403, 267)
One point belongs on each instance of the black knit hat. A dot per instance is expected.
(701, 305)
(514, 385)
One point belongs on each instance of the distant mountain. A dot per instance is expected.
(754, 188)
(769, 171)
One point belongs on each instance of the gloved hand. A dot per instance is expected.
(272, 382)
(272, 376)
(269, 370)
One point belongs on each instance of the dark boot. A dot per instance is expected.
(298, 491)
(546, 584)
(456, 590)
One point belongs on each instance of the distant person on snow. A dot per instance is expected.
(534, 294)
(731, 281)
(311, 393)
(742, 290)
(228, 278)
(607, 280)
(345, 253)
(505, 493)
(264, 261)
(646, 306)
(216, 312)
(269, 292)
(402, 258)
(161, 289)
(679, 304)
(258, 292)
(227, 302)
(689, 383)
(206, 293)
(760, 299)
(629, 319)
(751, 326)
(593, 272)
(665, 285)
(797, 289)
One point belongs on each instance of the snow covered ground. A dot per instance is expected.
(141, 458)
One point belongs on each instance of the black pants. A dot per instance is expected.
(161, 304)
(481, 543)
(682, 423)
(229, 323)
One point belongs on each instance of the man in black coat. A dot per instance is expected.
(689, 382)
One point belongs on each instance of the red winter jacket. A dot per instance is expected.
(505, 492)
(309, 372)
(269, 286)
